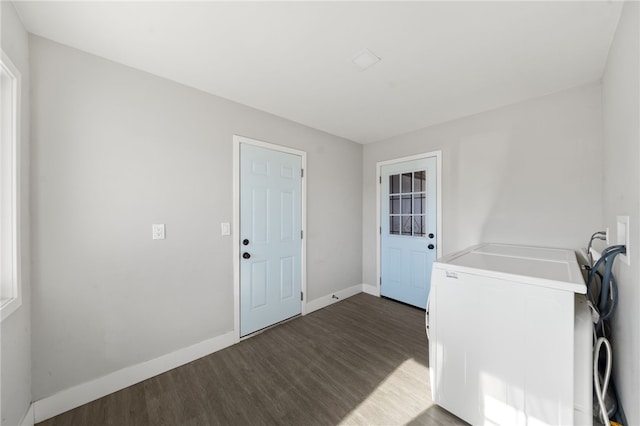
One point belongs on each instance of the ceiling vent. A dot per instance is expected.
(365, 59)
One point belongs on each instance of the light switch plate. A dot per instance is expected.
(157, 230)
(225, 228)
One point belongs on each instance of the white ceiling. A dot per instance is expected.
(440, 60)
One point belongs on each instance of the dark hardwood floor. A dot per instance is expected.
(360, 361)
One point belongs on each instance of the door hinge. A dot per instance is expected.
(302, 296)
(301, 173)
(380, 229)
(380, 281)
(380, 180)
(301, 234)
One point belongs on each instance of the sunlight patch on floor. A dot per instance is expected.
(402, 396)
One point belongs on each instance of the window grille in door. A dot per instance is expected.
(407, 203)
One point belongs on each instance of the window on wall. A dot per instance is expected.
(407, 203)
(10, 291)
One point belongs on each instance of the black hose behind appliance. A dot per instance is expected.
(602, 295)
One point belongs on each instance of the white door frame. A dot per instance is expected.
(235, 234)
(438, 155)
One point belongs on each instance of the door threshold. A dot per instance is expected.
(404, 303)
(262, 330)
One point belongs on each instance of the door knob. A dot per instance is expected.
(246, 255)
(430, 236)
(245, 242)
(430, 246)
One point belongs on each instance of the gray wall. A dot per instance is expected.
(15, 333)
(519, 174)
(621, 129)
(115, 150)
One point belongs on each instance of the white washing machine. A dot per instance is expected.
(510, 336)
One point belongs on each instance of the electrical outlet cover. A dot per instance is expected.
(622, 237)
(157, 230)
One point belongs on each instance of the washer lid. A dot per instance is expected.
(546, 267)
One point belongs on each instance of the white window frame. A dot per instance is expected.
(10, 104)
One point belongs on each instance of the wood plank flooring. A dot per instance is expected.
(362, 361)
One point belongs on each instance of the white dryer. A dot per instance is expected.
(510, 336)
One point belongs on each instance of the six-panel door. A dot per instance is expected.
(270, 237)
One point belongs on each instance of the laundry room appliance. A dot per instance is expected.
(510, 336)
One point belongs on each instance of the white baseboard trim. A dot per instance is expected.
(324, 301)
(29, 418)
(373, 290)
(89, 391)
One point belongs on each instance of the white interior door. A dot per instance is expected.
(270, 237)
(408, 229)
